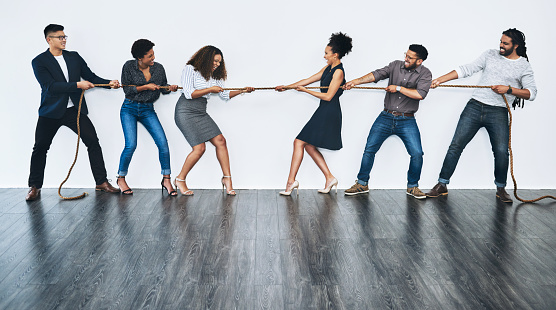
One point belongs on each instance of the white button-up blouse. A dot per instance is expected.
(192, 80)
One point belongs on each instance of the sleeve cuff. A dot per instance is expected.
(459, 72)
(532, 94)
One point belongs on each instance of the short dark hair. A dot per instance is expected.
(340, 43)
(52, 28)
(140, 48)
(420, 50)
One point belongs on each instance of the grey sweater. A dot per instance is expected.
(499, 70)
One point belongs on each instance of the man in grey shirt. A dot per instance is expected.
(409, 82)
(509, 72)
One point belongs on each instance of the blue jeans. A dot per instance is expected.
(131, 113)
(496, 122)
(404, 127)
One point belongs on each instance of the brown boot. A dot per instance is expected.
(503, 195)
(439, 189)
(107, 187)
(33, 193)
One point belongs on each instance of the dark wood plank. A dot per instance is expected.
(268, 267)
(384, 250)
(246, 215)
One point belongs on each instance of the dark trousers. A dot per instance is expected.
(44, 134)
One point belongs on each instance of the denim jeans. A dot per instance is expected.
(404, 127)
(496, 122)
(131, 113)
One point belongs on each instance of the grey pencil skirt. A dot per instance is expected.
(192, 119)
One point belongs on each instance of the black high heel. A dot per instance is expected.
(170, 193)
(128, 191)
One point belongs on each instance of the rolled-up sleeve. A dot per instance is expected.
(164, 81)
(225, 95)
(188, 81)
(424, 83)
(528, 82)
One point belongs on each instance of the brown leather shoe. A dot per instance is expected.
(107, 187)
(503, 195)
(439, 189)
(33, 194)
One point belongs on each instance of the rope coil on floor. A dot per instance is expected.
(314, 87)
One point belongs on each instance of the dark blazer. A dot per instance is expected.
(55, 89)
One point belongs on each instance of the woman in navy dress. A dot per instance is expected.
(324, 129)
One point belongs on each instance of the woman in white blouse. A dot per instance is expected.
(203, 75)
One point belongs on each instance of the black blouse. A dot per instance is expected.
(132, 75)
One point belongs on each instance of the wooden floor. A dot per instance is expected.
(259, 250)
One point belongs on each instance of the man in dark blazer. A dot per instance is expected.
(59, 73)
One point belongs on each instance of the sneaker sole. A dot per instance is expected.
(357, 193)
(441, 194)
(417, 197)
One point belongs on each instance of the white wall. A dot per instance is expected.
(267, 44)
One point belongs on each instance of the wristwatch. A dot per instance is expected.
(398, 88)
(509, 92)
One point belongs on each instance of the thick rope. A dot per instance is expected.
(512, 161)
(75, 158)
(317, 87)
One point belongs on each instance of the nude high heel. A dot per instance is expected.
(187, 192)
(326, 190)
(229, 192)
(295, 185)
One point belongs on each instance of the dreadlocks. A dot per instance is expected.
(517, 38)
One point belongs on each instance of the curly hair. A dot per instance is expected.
(203, 61)
(340, 43)
(140, 48)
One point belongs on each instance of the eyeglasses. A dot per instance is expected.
(409, 57)
(59, 37)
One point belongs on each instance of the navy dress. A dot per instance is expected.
(324, 129)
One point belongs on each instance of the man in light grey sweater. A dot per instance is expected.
(508, 71)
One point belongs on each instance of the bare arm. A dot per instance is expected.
(337, 79)
(201, 92)
(234, 93)
(150, 86)
(452, 75)
(315, 77)
(368, 78)
(409, 92)
(518, 92)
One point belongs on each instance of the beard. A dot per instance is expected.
(507, 52)
(411, 66)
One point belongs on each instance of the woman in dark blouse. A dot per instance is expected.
(149, 76)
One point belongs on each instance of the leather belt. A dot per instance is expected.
(399, 113)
